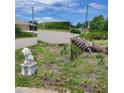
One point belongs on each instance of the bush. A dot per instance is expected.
(75, 31)
(17, 30)
(95, 35)
(75, 52)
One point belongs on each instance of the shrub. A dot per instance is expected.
(75, 31)
(17, 30)
(75, 52)
(95, 35)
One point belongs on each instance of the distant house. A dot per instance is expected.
(24, 26)
(84, 30)
(85, 27)
(33, 26)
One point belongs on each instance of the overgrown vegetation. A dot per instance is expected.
(87, 73)
(66, 67)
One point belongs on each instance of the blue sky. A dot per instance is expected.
(60, 10)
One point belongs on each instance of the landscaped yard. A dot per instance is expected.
(55, 70)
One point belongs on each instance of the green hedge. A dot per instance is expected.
(17, 30)
(54, 25)
(75, 31)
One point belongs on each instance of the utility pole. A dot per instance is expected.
(86, 18)
(43, 23)
(33, 19)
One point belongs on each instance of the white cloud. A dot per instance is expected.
(82, 11)
(96, 6)
(41, 19)
(52, 2)
(48, 19)
(45, 2)
(41, 5)
(70, 6)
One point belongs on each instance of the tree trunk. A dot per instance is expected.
(100, 49)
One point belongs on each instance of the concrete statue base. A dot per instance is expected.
(28, 69)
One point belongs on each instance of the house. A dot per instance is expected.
(84, 30)
(33, 26)
(24, 26)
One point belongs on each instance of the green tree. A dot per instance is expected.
(97, 24)
(72, 26)
(106, 25)
(78, 25)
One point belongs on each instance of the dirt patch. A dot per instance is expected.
(46, 81)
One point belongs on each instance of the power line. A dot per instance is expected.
(33, 19)
(86, 16)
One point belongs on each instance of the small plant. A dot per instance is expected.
(64, 50)
(101, 59)
(78, 91)
(88, 68)
(75, 52)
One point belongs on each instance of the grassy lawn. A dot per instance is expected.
(25, 34)
(101, 42)
(55, 70)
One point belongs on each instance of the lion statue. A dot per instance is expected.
(28, 56)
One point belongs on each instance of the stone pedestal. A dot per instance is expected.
(28, 69)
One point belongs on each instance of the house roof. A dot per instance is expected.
(24, 23)
(32, 24)
(21, 22)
